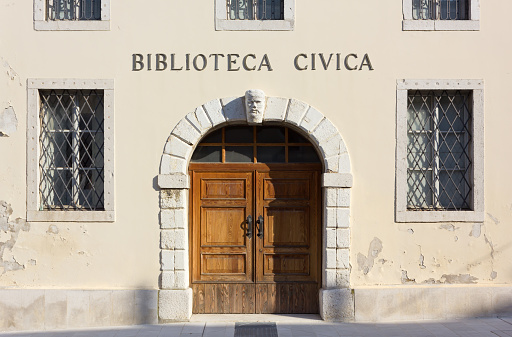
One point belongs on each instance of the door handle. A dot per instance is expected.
(249, 226)
(260, 227)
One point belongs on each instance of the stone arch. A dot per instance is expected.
(175, 295)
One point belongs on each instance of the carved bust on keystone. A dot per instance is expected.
(255, 104)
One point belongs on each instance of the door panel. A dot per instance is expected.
(221, 250)
(275, 272)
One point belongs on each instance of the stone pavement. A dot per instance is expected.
(295, 326)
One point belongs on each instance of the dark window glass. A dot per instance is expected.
(214, 137)
(239, 154)
(270, 135)
(271, 154)
(207, 154)
(239, 134)
(294, 137)
(302, 154)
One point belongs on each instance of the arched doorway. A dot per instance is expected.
(255, 222)
(336, 300)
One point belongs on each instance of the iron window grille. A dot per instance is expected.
(440, 9)
(71, 161)
(439, 162)
(255, 9)
(73, 10)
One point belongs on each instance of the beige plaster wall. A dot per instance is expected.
(362, 104)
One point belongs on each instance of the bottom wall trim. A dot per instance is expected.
(39, 309)
(431, 303)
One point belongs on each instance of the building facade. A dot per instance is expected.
(253, 156)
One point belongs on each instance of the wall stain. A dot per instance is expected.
(11, 73)
(494, 219)
(476, 231)
(12, 229)
(405, 279)
(458, 279)
(366, 263)
(449, 227)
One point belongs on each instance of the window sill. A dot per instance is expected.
(71, 216)
(439, 216)
(441, 25)
(72, 25)
(255, 25)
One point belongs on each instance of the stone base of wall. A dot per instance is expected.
(175, 305)
(431, 302)
(337, 304)
(35, 309)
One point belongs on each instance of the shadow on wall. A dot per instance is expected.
(146, 306)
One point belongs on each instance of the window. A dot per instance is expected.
(441, 14)
(70, 166)
(439, 151)
(254, 14)
(72, 14)
(254, 144)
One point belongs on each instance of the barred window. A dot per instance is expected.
(73, 9)
(71, 161)
(439, 150)
(255, 9)
(440, 9)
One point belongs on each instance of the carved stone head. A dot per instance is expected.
(255, 103)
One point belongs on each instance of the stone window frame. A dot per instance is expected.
(477, 152)
(33, 150)
(41, 23)
(175, 295)
(473, 23)
(222, 22)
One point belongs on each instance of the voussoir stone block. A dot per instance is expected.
(337, 304)
(175, 305)
(296, 110)
(311, 119)
(177, 148)
(186, 132)
(213, 110)
(199, 120)
(233, 109)
(170, 164)
(276, 109)
(324, 131)
(333, 146)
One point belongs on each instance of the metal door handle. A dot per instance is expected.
(260, 227)
(249, 226)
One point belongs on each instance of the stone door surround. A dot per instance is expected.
(175, 295)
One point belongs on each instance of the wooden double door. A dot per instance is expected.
(255, 239)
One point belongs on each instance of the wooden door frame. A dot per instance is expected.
(336, 297)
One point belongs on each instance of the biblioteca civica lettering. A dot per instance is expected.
(248, 62)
